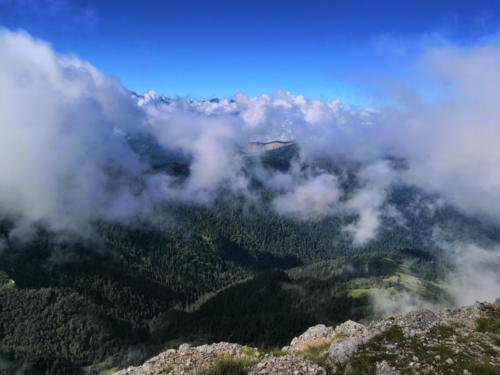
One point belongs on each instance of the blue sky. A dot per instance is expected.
(217, 48)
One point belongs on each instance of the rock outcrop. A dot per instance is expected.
(453, 341)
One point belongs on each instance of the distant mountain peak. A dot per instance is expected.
(151, 98)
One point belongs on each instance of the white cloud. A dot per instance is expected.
(61, 162)
(366, 204)
(476, 276)
(312, 199)
(452, 144)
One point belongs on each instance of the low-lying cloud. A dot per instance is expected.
(65, 153)
(314, 198)
(475, 276)
(66, 160)
(62, 162)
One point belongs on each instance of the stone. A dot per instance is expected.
(314, 336)
(383, 368)
(496, 304)
(341, 351)
(184, 346)
(421, 320)
(350, 328)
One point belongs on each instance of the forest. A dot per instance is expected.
(233, 271)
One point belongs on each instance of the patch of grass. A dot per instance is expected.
(277, 352)
(412, 282)
(374, 351)
(480, 368)
(317, 353)
(443, 331)
(363, 365)
(380, 293)
(246, 350)
(356, 293)
(109, 371)
(392, 279)
(339, 336)
(427, 354)
(488, 349)
(377, 350)
(489, 323)
(462, 362)
(393, 335)
(496, 340)
(105, 367)
(167, 367)
(227, 366)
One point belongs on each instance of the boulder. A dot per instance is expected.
(343, 350)
(383, 368)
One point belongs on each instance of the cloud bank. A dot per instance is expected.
(66, 158)
(475, 276)
(62, 161)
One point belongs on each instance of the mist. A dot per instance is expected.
(66, 161)
(475, 276)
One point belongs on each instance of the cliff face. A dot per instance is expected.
(458, 341)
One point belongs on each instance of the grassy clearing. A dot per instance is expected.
(411, 282)
(388, 292)
(357, 293)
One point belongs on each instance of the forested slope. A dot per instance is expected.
(131, 288)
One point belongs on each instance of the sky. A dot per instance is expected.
(320, 49)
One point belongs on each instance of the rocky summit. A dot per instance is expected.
(453, 341)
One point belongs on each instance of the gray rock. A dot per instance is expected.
(316, 332)
(421, 320)
(350, 329)
(383, 368)
(496, 304)
(341, 351)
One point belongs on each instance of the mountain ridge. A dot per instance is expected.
(463, 340)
